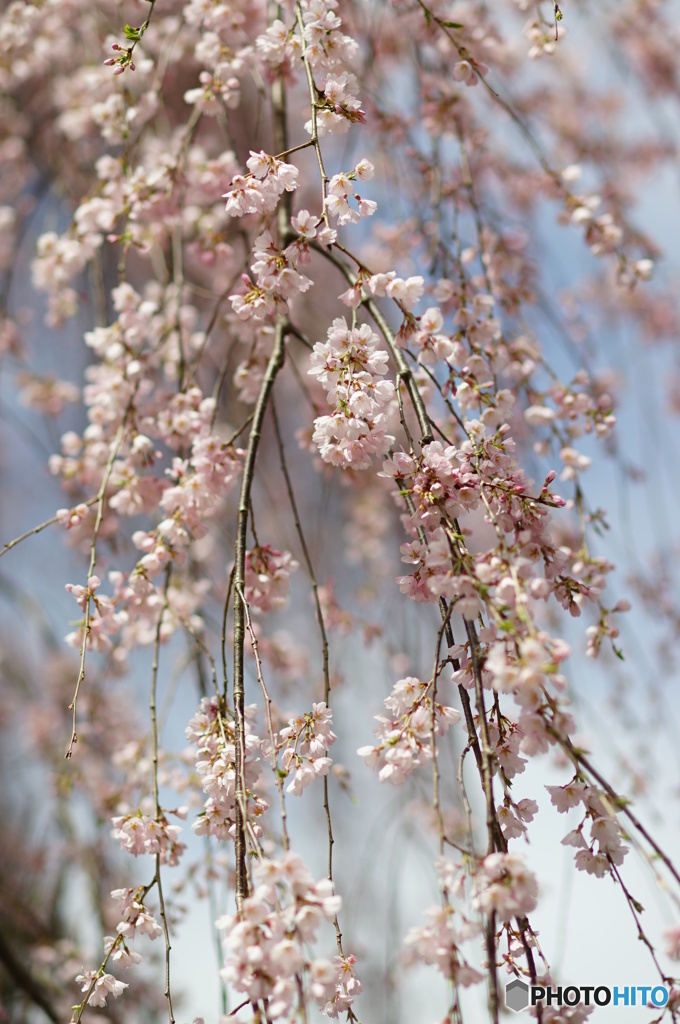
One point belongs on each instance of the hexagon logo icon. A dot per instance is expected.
(517, 995)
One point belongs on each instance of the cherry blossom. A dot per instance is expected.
(504, 886)
(266, 949)
(350, 367)
(268, 575)
(352, 282)
(305, 742)
(406, 736)
(104, 985)
(213, 734)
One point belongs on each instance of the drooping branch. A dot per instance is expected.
(274, 365)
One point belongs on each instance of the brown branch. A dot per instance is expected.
(275, 363)
(25, 980)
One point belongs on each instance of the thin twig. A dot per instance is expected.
(313, 102)
(324, 638)
(37, 529)
(93, 557)
(273, 366)
(154, 760)
(270, 725)
(580, 760)
(402, 366)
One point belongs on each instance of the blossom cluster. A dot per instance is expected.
(139, 833)
(98, 985)
(266, 947)
(351, 368)
(305, 742)
(406, 736)
(104, 985)
(277, 279)
(135, 916)
(267, 581)
(261, 189)
(209, 258)
(605, 829)
(341, 189)
(440, 941)
(329, 51)
(211, 730)
(504, 886)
